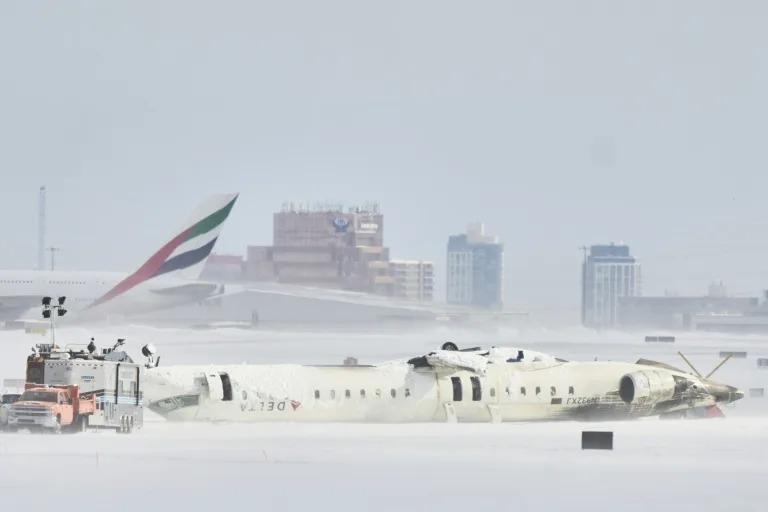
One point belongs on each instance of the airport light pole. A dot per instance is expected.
(53, 259)
(48, 313)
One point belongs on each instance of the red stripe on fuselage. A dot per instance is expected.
(146, 271)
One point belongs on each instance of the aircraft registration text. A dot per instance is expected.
(582, 400)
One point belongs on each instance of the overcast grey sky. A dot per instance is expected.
(558, 124)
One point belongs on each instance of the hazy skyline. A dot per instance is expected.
(558, 125)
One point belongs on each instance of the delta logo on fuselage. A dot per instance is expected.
(267, 405)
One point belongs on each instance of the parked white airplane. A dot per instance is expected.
(473, 385)
(168, 278)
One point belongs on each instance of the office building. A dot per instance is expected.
(609, 273)
(475, 269)
(324, 245)
(413, 279)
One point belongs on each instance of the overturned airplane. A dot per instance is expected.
(469, 385)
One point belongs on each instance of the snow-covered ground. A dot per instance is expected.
(655, 465)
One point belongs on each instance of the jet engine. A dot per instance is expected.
(647, 386)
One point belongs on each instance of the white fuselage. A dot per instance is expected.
(398, 392)
(23, 290)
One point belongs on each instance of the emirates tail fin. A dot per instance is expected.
(183, 256)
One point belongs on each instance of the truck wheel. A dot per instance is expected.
(123, 424)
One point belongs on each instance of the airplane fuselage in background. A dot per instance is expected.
(440, 390)
(169, 277)
(23, 290)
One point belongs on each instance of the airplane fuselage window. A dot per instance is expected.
(570, 390)
(317, 394)
(493, 392)
(456, 382)
(407, 392)
(378, 393)
(552, 391)
(538, 390)
(522, 391)
(333, 394)
(362, 393)
(347, 393)
(477, 391)
(393, 392)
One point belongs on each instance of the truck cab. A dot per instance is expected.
(43, 407)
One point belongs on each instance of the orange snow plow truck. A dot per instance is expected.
(56, 408)
(69, 390)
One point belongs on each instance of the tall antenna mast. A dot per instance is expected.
(41, 231)
(584, 248)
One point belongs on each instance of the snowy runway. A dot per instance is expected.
(655, 465)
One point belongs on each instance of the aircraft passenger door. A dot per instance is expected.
(214, 385)
(466, 394)
(450, 392)
(451, 388)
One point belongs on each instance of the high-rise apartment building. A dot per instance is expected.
(609, 273)
(475, 269)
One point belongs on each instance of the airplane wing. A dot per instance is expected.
(476, 359)
(451, 360)
(225, 290)
(657, 364)
(194, 288)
